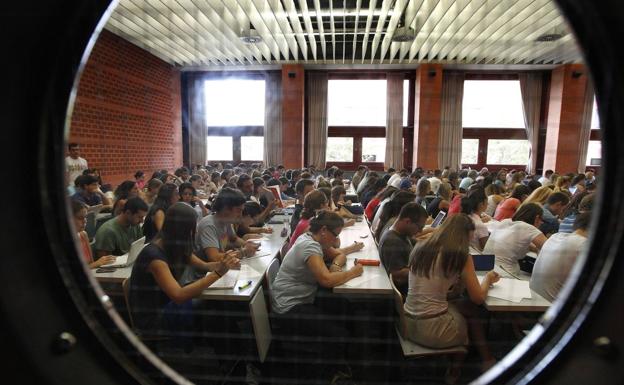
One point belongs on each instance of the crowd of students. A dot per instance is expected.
(201, 223)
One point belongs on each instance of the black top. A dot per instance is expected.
(149, 227)
(147, 300)
(295, 218)
(367, 197)
(433, 208)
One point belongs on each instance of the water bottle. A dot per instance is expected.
(284, 232)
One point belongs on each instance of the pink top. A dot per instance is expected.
(86, 247)
(301, 228)
(506, 209)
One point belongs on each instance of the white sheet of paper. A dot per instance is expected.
(248, 273)
(228, 281)
(258, 255)
(509, 289)
(358, 281)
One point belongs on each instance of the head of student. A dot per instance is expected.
(303, 187)
(557, 202)
(177, 235)
(411, 219)
(154, 185)
(313, 202)
(530, 213)
(126, 189)
(195, 180)
(326, 227)
(228, 205)
(582, 222)
(134, 211)
(446, 249)
(74, 150)
(245, 184)
(251, 210)
(338, 193)
(187, 193)
(87, 183)
(474, 202)
(167, 196)
(139, 175)
(520, 192)
(79, 215)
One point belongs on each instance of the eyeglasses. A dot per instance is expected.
(332, 231)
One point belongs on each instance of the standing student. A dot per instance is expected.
(397, 242)
(513, 238)
(116, 235)
(79, 211)
(435, 265)
(167, 196)
(157, 301)
(74, 164)
(556, 258)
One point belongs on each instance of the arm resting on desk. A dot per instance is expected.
(477, 292)
(330, 279)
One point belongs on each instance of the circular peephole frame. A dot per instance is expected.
(47, 308)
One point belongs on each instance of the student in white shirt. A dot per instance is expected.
(74, 164)
(545, 179)
(513, 238)
(435, 181)
(558, 255)
(474, 205)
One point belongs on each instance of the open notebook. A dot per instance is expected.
(228, 281)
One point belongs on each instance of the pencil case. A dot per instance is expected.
(367, 262)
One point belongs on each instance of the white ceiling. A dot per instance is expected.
(193, 33)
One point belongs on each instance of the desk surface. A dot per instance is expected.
(536, 303)
(374, 280)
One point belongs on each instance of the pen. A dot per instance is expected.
(246, 285)
(508, 272)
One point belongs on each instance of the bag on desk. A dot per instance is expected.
(526, 264)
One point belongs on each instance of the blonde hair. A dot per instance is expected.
(539, 195)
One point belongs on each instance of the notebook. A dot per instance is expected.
(228, 281)
(131, 256)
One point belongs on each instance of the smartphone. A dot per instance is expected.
(105, 270)
(364, 236)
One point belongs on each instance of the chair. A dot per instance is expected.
(411, 349)
(269, 275)
(90, 228)
(126, 293)
(283, 250)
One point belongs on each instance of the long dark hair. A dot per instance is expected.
(393, 208)
(163, 199)
(178, 235)
(450, 243)
(328, 219)
(471, 201)
(528, 212)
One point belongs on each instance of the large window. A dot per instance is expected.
(493, 121)
(356, 116)
(235, 119)
(595, 121)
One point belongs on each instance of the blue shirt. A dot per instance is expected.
(88, 199)
(551, 223)
(567, 224)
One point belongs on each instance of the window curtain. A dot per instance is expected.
(317, 119)
(588, 105)
(451, 129)
(394, 121)
(273, 119)
(531, 90)
(198, 131)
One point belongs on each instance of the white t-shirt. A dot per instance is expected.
(481, 231)
(74, 168)
(544, 181)
(435, 184)
(395, 180)
(377, 217)
(509, 242)
(554, 263)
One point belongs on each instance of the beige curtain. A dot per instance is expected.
(531, 90)
(394, 121)
(585, 126)
(450, 139)
(273, 119)
(198, 131)
(317, 119)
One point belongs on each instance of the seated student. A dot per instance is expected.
(467, 181)
(283, 183)
(328, 195)
(126, 190)
(555, 260)
(215, 234)
(474, 204)
(391, 211)
(507, 208)
(188, 195)
(157, 301)
(87, 191)
(423, 188)
(295, 176)
(375, 203)
(198, 184)
(552, 209)
(79, 211)
(371, 195)
(309, 263)
(167, 196)
(577, 185)
(397, 242)
(442, 201)
(338, 204)
(246, 229)
(303, 187)
(436, 264)
(494, 194)
(263, 196)
(314, 202)
(580, 203)
(139, 179)
(151, 190)
(539, 195)
(357, 176)
(513, 238)
(116, 235)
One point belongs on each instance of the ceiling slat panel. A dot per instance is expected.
(385, 7)
(236, 17)
(294, 21)
(473, 28)
(447, 27)
(126, 17)
(259, 25)
(344, 30)
(145, 43)
(307, 21)
(547, 51)
(319, 25)
(369, 21)
(397, 11)
(202, 35)
(410, 19)
(358, 8)
(423, 17)
(437, 17)
(284, 26)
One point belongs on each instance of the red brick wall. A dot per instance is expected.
(127, 114)
(293, 96)
(427, 108)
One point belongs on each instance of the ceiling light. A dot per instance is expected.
(548, 37)
(249, 35)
